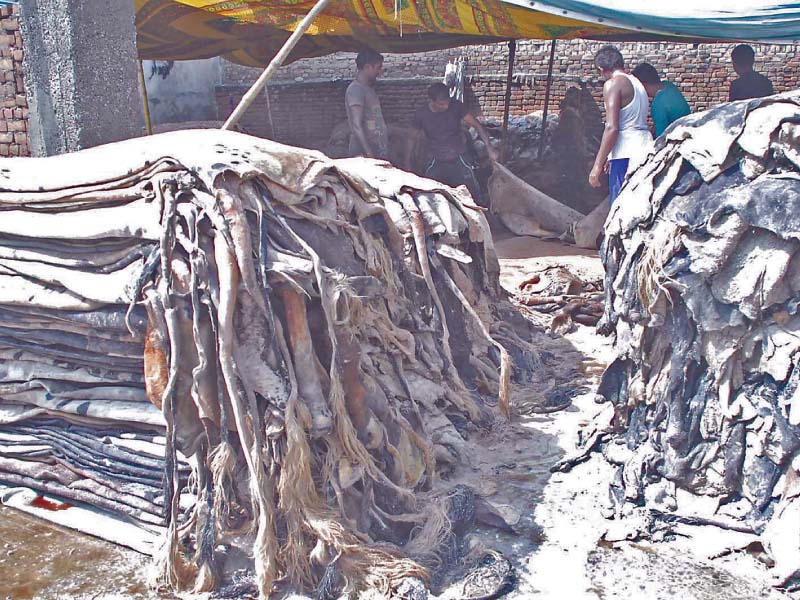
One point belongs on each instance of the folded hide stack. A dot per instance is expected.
(317, 337)
(702, 258)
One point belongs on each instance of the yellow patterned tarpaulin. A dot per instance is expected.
(251, 31)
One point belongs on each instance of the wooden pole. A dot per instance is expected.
(274, 64)
(512, 53)
(548, 86)
(148, 124)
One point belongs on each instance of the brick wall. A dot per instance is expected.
(703, 72)
(305, 113)
(14, 111)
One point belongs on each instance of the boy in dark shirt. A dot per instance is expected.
(440, 120)
(750, 84)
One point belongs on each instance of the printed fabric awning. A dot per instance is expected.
(251, 31)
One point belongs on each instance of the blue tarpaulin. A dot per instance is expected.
(747, 20)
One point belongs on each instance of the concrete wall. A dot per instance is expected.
(80, 73)
(13, 103)
(703, 73)
(180, 91)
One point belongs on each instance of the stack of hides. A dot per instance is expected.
(316, 338)
(702, 254)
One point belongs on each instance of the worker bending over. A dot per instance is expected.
(667, 102)
(440, 120)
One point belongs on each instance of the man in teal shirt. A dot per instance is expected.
(667, 103)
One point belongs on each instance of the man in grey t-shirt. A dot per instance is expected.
(368, 133)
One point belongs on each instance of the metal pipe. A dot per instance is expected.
(512, 53)
(547, 96)
(274, 64)
(148, 125)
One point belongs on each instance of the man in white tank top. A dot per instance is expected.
(626, 137)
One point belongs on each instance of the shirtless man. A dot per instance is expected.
(626, 136)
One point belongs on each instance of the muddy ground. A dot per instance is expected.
(557, 549)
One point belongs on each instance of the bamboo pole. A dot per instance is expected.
(512, 53)
(274, 64)
(548, 86)
(148, 124)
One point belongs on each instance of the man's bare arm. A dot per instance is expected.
(612, 99)
(357, 120)
(470, 120)
(413, 138)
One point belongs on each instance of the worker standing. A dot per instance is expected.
(369, 135)
(626, 136)
(749, 84)
(667, 102)
(440, 120)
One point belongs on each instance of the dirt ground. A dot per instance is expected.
(556, 548)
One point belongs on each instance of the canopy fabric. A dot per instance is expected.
(251, 31)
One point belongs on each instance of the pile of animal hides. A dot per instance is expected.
(556, 291)
(702, 255)
(264, 356)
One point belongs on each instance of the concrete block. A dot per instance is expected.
(82, 53)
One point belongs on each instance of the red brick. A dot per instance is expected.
(24, 150)
(4, 150)
(20, 138)
(13, 150)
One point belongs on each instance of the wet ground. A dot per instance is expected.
(556, 548)
(46, 562)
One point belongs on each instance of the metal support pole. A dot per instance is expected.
(148, 125)
(547, 96)
(274, 64)
(512, 53)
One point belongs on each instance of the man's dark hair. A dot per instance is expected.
(743, 55)
(647, 74)
(368, 56)
(438, 91)
(609, 58)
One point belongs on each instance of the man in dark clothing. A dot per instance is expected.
(440, 119)
(750, 84)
